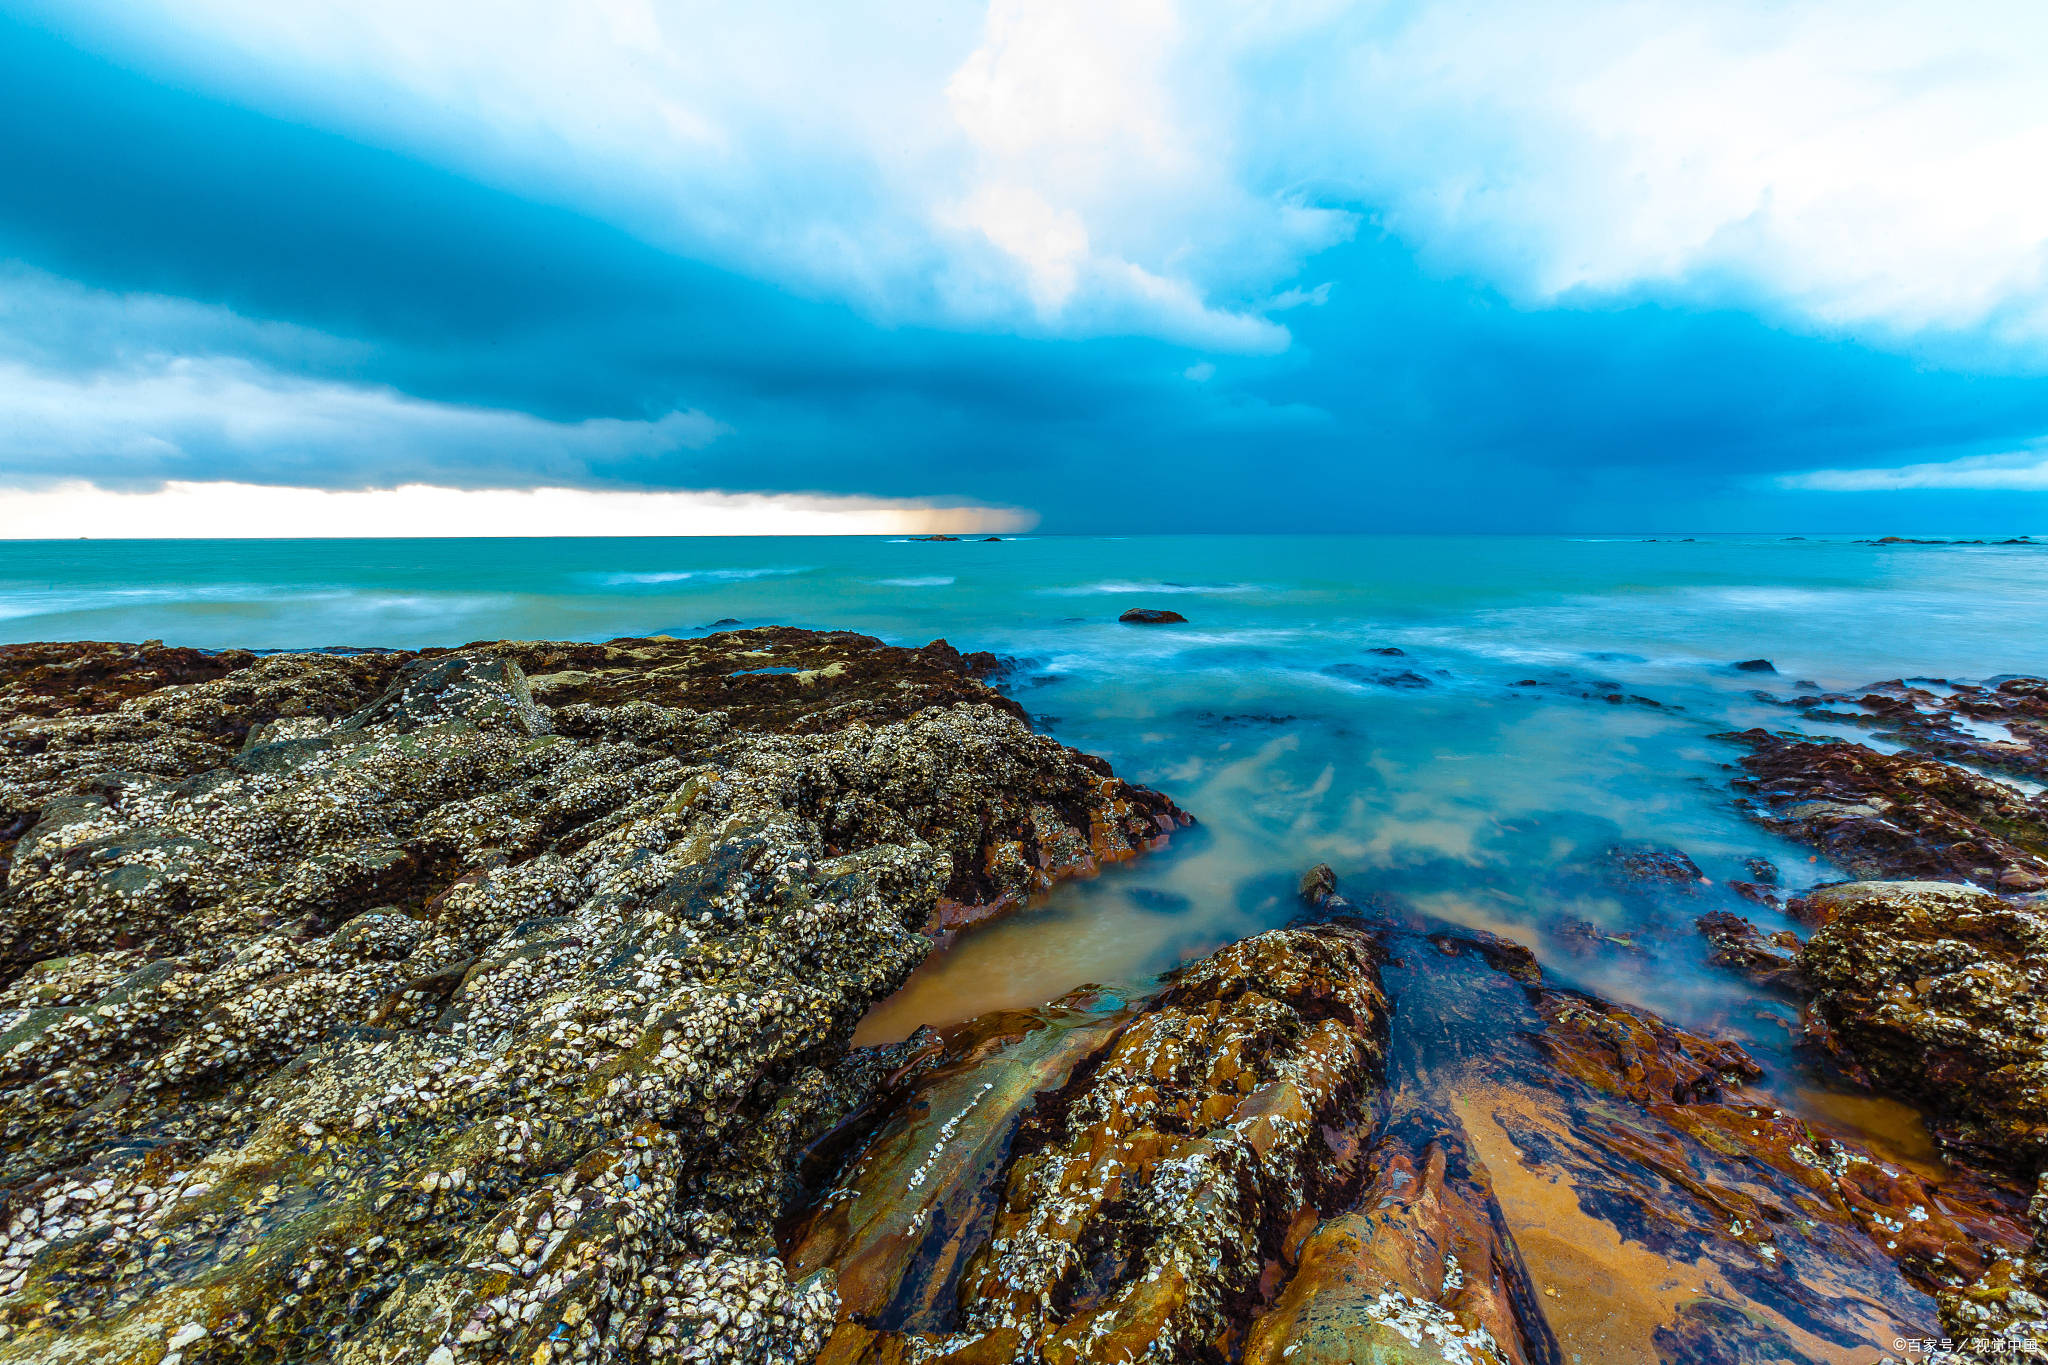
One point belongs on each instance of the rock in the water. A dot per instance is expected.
(1233, 1170)
(1757, 666)
(1422, 1268)
(368, 1008)
(2001, 727)
(1770, 960)
(1152, 616)
(1898, 815)
(1651, 866)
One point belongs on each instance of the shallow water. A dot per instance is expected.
(1475, 774)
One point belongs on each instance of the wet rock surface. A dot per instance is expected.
(1940, 991)
(1770, 960)
(2000, 726)
(495, 1004)
(1881, 815)
(475, 1005)
(1928, 979)
(1105, 1183)
(1140, 1200)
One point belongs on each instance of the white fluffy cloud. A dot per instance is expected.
(1166, 166)
(1869, 165)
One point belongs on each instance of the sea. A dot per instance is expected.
(1463, 726)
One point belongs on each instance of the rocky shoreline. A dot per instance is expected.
(496, 1005)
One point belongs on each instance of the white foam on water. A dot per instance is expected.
(1995, 731)
(657, 577)
(1110, 586)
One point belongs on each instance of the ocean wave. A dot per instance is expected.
(651, 579)
(933, 581)
(1125, 586)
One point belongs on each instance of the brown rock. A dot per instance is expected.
(1771, 961)
(1897, 815)
(1424, 1268)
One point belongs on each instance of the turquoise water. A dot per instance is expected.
(1470, 775)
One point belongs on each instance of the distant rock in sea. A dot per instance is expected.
(1152, 616)
(1757, 666)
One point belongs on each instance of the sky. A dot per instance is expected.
(1116, 266)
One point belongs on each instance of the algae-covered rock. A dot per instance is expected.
(387, 1012)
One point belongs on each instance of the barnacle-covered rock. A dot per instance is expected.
(1422, 1268)
(1940, 991)
(1131, 1213)
(1491, 1169)
(1933, 987)
(390, 1013)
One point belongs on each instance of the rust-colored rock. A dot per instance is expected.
(1769, 960)
(2002, 727)
(1422, 1268)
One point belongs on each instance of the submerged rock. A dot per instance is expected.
(406, 1007)
(1152, 616)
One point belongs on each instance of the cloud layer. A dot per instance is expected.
(1298, 263)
